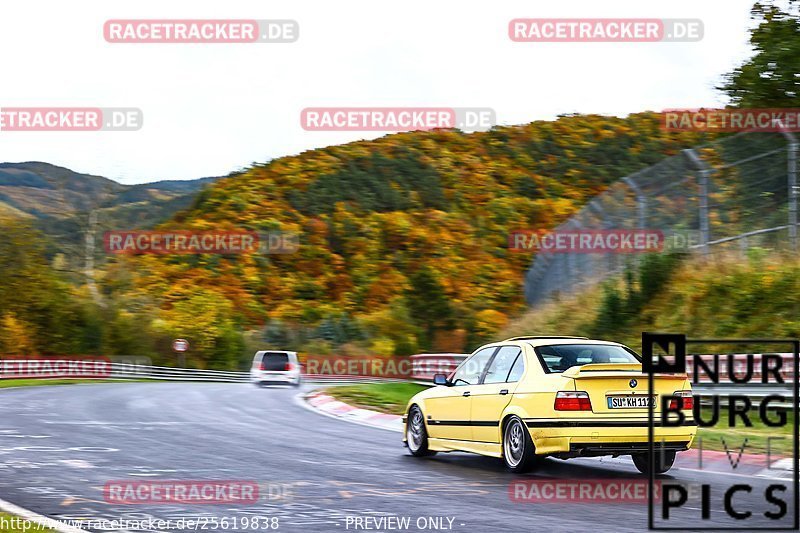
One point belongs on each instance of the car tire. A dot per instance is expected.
(416, 434)
(662, 463)
(519, 453)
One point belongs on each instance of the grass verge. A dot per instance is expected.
(384, 397)
(9, 383)
(754, 438)
(14, 524)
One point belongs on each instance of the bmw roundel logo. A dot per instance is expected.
(633, 383)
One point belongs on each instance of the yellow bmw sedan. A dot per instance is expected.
(530, 397)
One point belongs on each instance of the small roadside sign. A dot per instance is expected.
(180, 345)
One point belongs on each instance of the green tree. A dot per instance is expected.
(43, 306)
(611, 314)
(770, 77)
(427, 302)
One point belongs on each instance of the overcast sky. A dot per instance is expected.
(210, 109)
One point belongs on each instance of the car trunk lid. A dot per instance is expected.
(621, 387)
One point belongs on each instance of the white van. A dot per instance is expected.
(273, 367)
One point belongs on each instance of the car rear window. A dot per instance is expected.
(273, 361)
(560, 357)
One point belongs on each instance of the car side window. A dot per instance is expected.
(501, 364)
(469, 373)
(517, 369)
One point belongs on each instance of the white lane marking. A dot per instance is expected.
(699, 509)
(53, 449)
(19, 464)
(76, 463)
(783, 464)
(763, 474)
(105, 423)
(15, 434)
(143, 471)
(715, 472)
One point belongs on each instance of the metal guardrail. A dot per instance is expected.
(740, 366)
(424, 366)
(104, 368)
(126, 371)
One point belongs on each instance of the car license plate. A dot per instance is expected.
(630, 402)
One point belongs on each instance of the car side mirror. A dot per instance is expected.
(440, 379)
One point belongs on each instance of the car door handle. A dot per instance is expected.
(504, 391)
(466, 393)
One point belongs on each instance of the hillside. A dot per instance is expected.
(403, 239)
(58, 200)
(44, 190)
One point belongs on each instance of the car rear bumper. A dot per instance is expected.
(624, 448)
(605, 437)
(274, 377)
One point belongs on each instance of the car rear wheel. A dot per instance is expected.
(519, 453)
(416, 434)
(663, 462)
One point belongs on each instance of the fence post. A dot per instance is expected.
(573, 271)
(641, 201)
(608, 260)
(641, 208)
(703, 171)
(791, 171)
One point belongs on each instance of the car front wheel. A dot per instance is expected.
(663, 462)
(416, 434)
(519, 453)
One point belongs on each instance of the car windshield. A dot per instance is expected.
(558, 358)
(273, 361)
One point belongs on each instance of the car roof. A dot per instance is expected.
(550, 340)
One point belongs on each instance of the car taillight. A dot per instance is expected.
(262, 367)
(572, 401)
(686, 396)
(289, 366)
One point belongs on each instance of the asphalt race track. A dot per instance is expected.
(60, 445)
